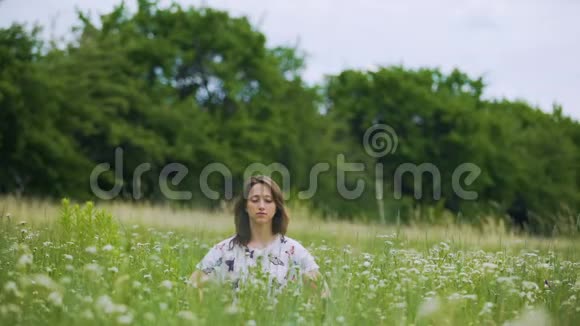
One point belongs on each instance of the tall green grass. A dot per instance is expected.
(130, 264)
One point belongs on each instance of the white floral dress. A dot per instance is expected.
(282, 260)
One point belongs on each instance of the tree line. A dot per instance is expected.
(196, 86)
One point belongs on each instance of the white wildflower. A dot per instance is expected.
(530, 285)
(106, 304)
(428, 307)
(91, 250)
(535, 317)
(531, 254)
(11, 287)
(486, 310)
(167, 284)
(125, 319)
(544, 266)
(505, 279)
(93, 268)
(454, 296)
(55, 298)
(24, 260)
(489, 266)
(571, 301)
(470, 297)
(44, 281)
(187, 315)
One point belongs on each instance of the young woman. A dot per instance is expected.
(260, 241)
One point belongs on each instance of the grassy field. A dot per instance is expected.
(130, 264)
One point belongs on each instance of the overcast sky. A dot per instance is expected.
(526, 49)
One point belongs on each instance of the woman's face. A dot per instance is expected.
(260, 205)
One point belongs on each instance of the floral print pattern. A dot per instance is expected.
(284, 258)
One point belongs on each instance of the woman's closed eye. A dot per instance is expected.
(257, 199)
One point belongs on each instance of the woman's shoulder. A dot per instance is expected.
(288, 241)
(226, 244)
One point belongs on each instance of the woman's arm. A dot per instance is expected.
(310, 271)
(208, 265)
(198, 278)
(313, 278)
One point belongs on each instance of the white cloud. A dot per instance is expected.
(525, 49)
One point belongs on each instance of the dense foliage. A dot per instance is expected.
(195, 86)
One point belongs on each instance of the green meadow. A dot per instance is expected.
(122, 264)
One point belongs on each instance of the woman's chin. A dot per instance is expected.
(262, 220)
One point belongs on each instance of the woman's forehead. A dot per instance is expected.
(260, 189)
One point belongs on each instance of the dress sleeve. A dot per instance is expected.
(306, 260)
(212, 260)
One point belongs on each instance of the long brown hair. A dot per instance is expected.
(242, 220)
